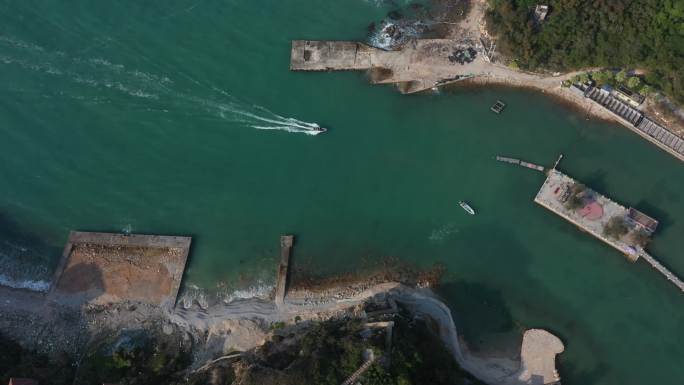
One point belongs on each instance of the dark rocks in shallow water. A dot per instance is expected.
(393, 32)
(395, 15)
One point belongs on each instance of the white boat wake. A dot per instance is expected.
(114, 80)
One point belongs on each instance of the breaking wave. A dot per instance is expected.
(204, 298)
(23, 265)
(389, 35)
(40, 286)
(106, 76)
(260, 290)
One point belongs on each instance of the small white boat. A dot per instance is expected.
(466, 207)
(319, 130)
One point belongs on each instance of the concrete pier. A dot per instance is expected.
(663, 270)
(286, 242)
(419, 65)
(309, 55)
(554, 194)
(596, 215)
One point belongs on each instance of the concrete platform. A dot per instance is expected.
(307, 55)
(417, 66)
(538, 357)
(103, 267)
(550, 196)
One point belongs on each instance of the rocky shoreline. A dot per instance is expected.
(224, 328)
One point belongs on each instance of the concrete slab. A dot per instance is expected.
(104, 267)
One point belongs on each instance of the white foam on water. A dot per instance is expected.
(132, 82)
(287, 129)
(256, 116)
(443, 232)
(381, 37)
(18, 43)
(40, 286)
(260, 290)
(193, 294)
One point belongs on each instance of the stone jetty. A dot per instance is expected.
(286, 242)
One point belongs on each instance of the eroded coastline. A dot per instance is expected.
(58, 323)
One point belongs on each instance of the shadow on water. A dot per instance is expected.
(24, 255)
(480, 310)
(663, 217)
(571, 374)
(597, 181)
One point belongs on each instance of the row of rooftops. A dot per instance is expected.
(606, 96)
(608, 100)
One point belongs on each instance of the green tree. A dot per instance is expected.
(603, 77)
(633, 82)
(642, 237)
(616, 227)
(621, 76)
(578, 34)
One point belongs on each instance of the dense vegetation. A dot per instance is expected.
(644, 34)
(320, 353)
(18, 362)
(134, 358)
(146, 361)
(329, 352)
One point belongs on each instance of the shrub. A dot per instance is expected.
(616, 227)
(621, 76)
(633, 82)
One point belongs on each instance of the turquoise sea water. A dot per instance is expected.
(144, 114)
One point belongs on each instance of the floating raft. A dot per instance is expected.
(498, 106)
(519, 162)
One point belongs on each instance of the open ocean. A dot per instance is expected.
(181, 117)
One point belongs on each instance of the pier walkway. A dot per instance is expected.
(663, 270)
(521, 163)
(286, 242)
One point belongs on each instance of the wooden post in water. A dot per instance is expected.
(286, 242)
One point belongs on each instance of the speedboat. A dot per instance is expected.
(466, 207)
(318, 130)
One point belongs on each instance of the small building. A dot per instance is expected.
(22, 381)
(641, 220)
(628, 96)
(540, 12)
